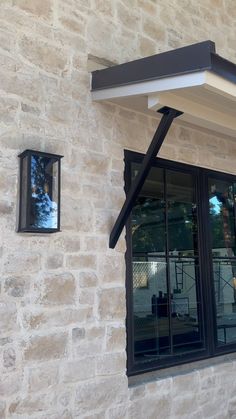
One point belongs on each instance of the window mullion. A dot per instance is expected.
(168, 264)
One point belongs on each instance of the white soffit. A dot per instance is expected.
(206, 99)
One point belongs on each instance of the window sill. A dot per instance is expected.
(179, 370)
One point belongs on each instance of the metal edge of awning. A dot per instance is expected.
(192, 83)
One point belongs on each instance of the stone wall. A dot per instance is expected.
(62, 299)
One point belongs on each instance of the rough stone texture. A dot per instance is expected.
(57, 289)
(46, 347)
(62, 296)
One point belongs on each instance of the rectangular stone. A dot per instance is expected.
(109, 364)
(8, 317)
(78, 370)
(56, 289)
(43, 378)
(43, 55)
(22, 262)
(42, 348)
(102, 393)
(41, 319)
(38, 8)
(85, 261)
(112, 304)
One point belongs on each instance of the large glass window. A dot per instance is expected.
(181, 266)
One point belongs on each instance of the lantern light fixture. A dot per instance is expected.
(39, 195)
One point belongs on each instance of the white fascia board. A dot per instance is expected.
(151, 86)
(220, 85)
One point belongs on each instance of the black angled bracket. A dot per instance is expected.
(169, 115)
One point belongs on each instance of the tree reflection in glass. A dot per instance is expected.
(43, 208)
(222, 225)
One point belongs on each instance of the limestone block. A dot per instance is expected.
(7, 41)
(68, 244)
(74, 24)
(78, 370)
(68, 39)
(24, 85)
(22, 262)
(87, 279)
(97, 243)
(112, 304)
(6, 207)
(61, 110)
(54, 261)
(81, 261)
(184, 405)
(8, 317)
(57, 289)
(112, 269)
(109, 364)
(10, 384)
(115, 338)
(40, 319)
(118, 412)
(92, 162)
(42, 348)
(33, 403)
(78, 333)
(81, 215)
(2, 409)
(8, 109)
(30, 109)
(100, 393)
(155, 31)
(43, 378)
(185, 382)
(38, 8)
(86, 297)
(91, 343)
(129, 17)
(9, 357)
(17, 286)
(104, 221)
(43, 55)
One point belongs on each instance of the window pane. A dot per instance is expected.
(225, 296)
(23, 218)
(44, 192)
(186, 309)
(222, 217)
(150, 300)
(148, 217)
(182, 217)
(150, 310)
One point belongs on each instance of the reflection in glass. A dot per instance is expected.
(150, 310)
(185, 305)
(182, 217)
(44, 190)
(148, 216)
(222, 225)
(167, 318)
(222, 217)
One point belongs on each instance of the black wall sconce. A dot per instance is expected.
(40, 187)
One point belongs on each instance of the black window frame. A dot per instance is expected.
(211, 349)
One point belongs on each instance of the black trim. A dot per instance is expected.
(27, 205)
(189, 59)
(211, 347)
(183, 60)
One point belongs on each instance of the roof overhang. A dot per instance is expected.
(193, 79)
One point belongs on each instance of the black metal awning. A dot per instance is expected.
(193, 83)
